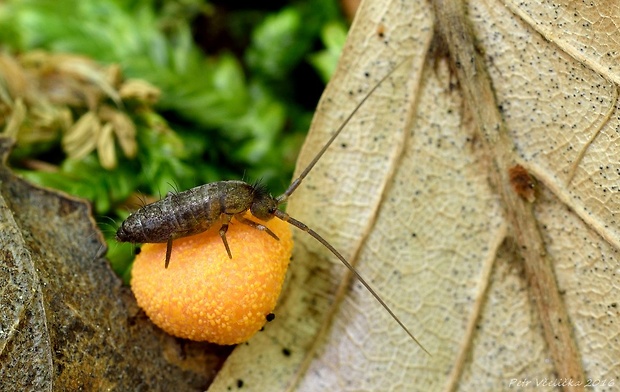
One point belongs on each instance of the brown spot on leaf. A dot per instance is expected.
(523, 183)
(381, 31)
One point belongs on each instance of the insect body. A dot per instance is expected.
(196, 210)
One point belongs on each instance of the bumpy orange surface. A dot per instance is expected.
(206, 296)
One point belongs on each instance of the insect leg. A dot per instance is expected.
(257, 226)
(168, 251)
(225, 221)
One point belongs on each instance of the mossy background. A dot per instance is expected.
(239, 82)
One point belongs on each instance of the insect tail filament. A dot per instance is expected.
(287, 218)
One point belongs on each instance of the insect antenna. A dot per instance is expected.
(282, 198)
(287, 218)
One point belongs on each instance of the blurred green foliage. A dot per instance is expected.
(238, 84)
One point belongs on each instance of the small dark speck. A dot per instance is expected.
(239, 383)
(613, 305)
(413, 235)
(343, 145)
(286, 352)
(367, 74)
(137, 251)
(270, 317)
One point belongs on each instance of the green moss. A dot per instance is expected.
(235, 100)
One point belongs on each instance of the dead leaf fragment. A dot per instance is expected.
(67, 323)
(139, 90)
(505, 293)
(41, 93)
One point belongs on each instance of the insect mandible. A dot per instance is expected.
(196, 210)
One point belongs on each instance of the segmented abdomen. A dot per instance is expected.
(186, 213)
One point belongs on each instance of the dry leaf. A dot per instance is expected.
(40, 92)
(67, 323)
(504, 292)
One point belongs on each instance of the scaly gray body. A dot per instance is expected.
(186, 213)
(196, 210)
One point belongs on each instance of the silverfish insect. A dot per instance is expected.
(195, 210)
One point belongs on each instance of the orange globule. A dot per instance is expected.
(204, 295)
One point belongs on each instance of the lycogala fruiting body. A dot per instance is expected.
(206, 296)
